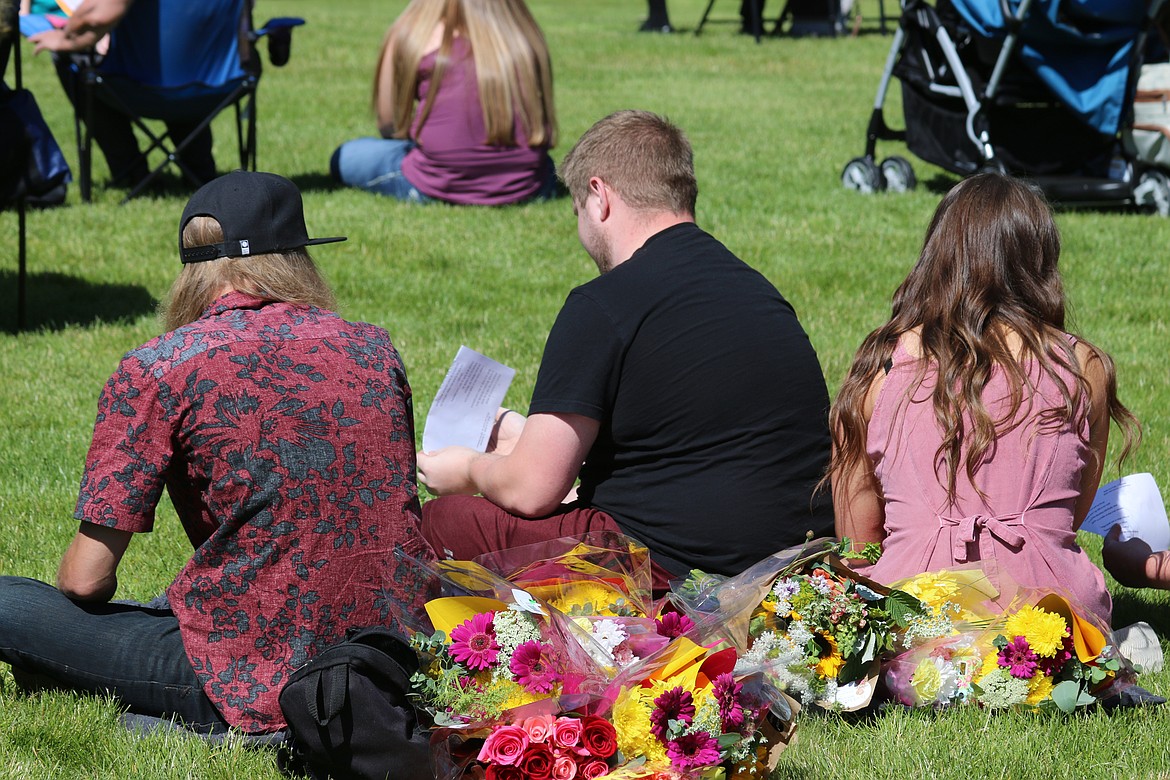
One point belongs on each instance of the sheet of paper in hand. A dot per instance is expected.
(464, 410)
(1135, 503)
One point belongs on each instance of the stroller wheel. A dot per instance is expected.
(1153, 190)
(899, 175)
(862, 175)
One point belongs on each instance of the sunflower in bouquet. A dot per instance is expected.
(820, 628)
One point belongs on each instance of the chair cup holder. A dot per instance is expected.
(279, 46)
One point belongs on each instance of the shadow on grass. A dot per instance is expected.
(1129, 608)
(55, 301)
(940, 184)
(314, 182)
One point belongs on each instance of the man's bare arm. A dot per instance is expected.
(532, 480)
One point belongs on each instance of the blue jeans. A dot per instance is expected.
(131, 651)
(375, 165)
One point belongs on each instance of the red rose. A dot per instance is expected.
(599, 737)
(593, 768)
(504, 772)
(537, 763)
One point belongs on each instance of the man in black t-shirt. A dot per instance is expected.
(678, 386)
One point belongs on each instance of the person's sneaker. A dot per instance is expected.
(1140, 645)
(650, 26)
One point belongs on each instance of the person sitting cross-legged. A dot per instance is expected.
(284, 437)
(679, 387)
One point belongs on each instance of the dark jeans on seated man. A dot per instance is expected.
(131, 651)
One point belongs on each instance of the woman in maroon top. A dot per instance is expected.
(464, 102)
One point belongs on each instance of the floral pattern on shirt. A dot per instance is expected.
(284, 436)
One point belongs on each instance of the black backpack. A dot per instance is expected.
(349, 715)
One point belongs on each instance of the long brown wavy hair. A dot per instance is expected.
(987, 271)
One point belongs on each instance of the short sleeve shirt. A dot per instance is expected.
(284, 436)
(712, 404)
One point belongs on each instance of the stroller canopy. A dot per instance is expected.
(1080, 49)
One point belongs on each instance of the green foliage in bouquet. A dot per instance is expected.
(445, 686)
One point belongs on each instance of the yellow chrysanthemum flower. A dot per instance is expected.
(595, 595)
(990, 663)
(831, 664)
(631, 720)
(1039, 689)
(932, 589)
(1044, 631)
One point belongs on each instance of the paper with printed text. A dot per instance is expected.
(464, 410)
(1135, 503)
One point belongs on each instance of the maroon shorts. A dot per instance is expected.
(463, 527)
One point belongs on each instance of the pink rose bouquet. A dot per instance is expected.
(550, 748)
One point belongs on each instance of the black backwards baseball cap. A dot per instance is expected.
(259, 213)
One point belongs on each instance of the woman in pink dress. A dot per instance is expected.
(971, 427)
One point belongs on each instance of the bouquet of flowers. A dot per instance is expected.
(1040, 652)
(602, 582)
(693, 717)
(814, 627)
(515, 688)
(493, 648)
(544, 747)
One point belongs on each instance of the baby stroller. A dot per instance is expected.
(1035, 88)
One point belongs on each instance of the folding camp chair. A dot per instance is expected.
(757, 22)
(13, 154)
(32, 169)
(183, 63)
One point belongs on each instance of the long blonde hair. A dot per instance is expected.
(512, 67)
(988, 268)
(289, 277)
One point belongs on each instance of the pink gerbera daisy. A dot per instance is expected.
(1017, 657)
(693, 750)
(473, 642)
(532, 666)
(675, 704)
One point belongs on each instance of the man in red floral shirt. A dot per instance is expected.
(285, 438)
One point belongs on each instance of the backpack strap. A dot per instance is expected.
(330, 690)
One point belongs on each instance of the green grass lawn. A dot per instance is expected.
(772, 126)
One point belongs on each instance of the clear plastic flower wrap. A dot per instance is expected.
(1041, 651)
(517, 688)
(603, 574)
(602, 582)
(814, 627)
